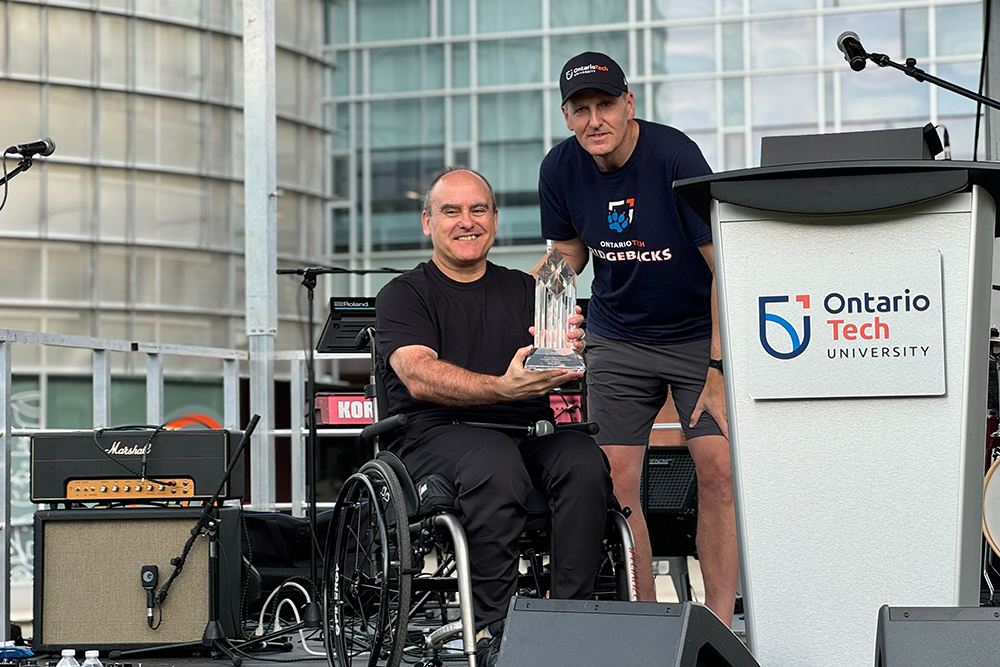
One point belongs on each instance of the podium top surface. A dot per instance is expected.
(838, 188)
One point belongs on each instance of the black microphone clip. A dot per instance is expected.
(850, 45)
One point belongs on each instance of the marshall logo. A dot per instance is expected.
(135, 450)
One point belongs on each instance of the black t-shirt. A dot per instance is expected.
(651, 283)
(477, 326)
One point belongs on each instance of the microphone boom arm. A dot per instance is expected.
(911, 70)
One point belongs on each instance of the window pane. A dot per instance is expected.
(512, 167)
(959, 29)
(23, 211)
(114, 274)
(783, 43)
(179, 59)
(460, 77)
(381, 20)
(770, 95)
(881, 28)
(407, 123)
(586, 12)
(188, 10)
(507, 15)
(684, 50)
(113, 56)
(461, 118)
(70, 44)
(20, 109)
(286, 82)
(180, 134)
(288, 152)
(71, 120)
(735, 156)
(114, 126)
(22, 261)
(114, 204)
(70, 270)
(408, 68)
(614, 44)
(459, 17)
(286, 25)
(146, 130)
(341, 230)
(732, 101)
(169, 208)
(219, 81)
(221, 133)
(145, 55)
(70, 191)
(965, 75)
(26, 23)
(510, 116)
(732, 46)
(688, 105)
(681, 9)
(289, 225)
(399, 179)
(915, 34)
(189, 278)
(510, 61)
(883, 95)
(760, 6)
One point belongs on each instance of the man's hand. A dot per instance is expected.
(576, 334)
(518, 384)
(713, 401)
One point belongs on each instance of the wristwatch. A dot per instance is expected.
(716, 364)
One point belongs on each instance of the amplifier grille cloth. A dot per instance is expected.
(671, 475)
(91, 582)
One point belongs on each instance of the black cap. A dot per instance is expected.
(592, 70)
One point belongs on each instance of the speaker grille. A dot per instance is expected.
(671, 481)
(91, 589)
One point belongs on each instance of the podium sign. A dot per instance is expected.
(853, 325)
(857, 479)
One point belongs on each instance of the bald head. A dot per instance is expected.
(460, 173)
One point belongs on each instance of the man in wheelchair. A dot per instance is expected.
(452, 335)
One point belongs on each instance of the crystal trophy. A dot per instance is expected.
(555, 303)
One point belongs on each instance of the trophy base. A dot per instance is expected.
(550, 359)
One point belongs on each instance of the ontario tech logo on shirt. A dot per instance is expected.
(620, 214)
(798, 343)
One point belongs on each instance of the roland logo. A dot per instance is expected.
(352, 304)
(135, 450)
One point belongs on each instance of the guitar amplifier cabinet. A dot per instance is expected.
(88, 593)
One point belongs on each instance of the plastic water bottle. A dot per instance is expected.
(68, 658)
(92, 660)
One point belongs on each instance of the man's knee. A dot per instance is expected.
(714, 469)
(493, 465)
(575, 460)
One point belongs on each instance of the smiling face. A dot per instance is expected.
(462, 223)
(600, 120)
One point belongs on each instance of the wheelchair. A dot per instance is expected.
(397, 569)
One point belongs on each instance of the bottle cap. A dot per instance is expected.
(91, 654)
(68, 652)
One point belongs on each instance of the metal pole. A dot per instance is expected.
(154, 389)
(6, 425)
(102, 388)
(259, 128)
(298, 453)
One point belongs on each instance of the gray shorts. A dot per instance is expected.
(627, 385)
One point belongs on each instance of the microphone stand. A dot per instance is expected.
(311, 616)
(23, 165)
(910, 69)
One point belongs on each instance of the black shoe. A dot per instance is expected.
(488, 650)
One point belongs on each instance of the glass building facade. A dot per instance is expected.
(134, 227)
(424, 84)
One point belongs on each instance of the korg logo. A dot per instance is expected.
(798, 342)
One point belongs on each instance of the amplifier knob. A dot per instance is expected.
(127, 488)
(78, 488)
(185, 483)
(173, 490)
(103, 489)
(185, 491)
(161, 488)
(115, 488)
(149, 488)
(93, 488)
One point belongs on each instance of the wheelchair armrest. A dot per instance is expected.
(384, 426)
(590, 428)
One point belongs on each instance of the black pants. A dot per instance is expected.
(493, 474)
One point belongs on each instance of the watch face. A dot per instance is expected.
(716, 364)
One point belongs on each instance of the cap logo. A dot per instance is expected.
(585, 69)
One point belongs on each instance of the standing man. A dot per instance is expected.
(653, 319)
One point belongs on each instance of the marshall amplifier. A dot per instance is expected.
(348, 316)
(179, 465)
(88, 590)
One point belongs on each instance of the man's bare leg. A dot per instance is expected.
(717, 547)
(626, 469)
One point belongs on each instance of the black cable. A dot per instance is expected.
(4, 202)
(982, 79)
(133, 427)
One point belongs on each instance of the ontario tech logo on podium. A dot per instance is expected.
(799, 342)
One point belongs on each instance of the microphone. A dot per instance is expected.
(43, 147)
(850, 45)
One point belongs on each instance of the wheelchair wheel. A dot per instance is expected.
(367, 595)
(617, 563)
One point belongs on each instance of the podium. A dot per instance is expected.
(854, 302)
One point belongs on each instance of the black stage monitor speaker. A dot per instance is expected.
(88, 590)
(669, 495)
(937, 636)
(585, 633)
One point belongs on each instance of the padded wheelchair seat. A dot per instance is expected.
(410, 497)
(436, 494)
